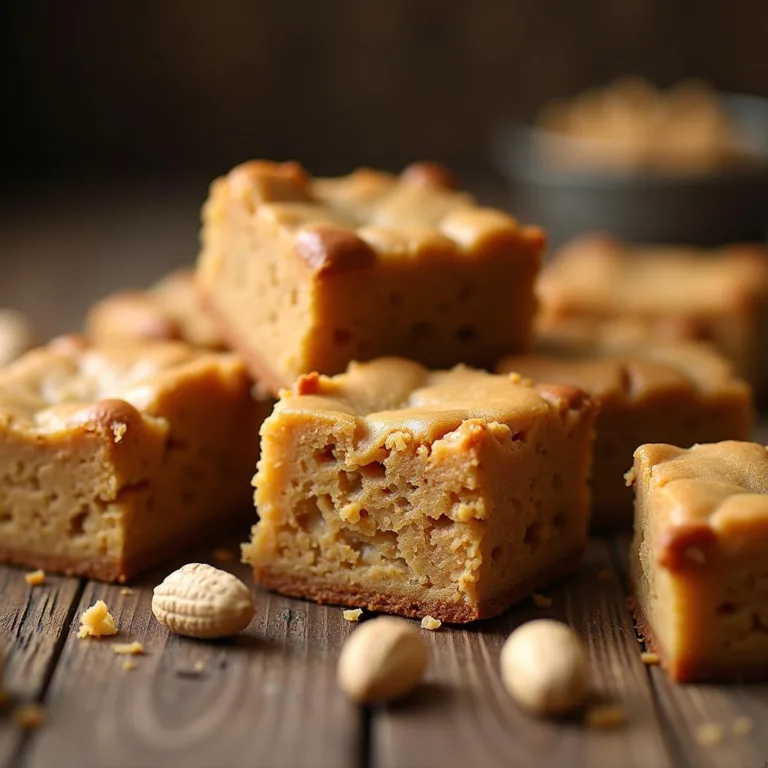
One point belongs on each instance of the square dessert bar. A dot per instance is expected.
(167, 311)
(395, 489)
(681, 393)
(307, 274)
(112, 460)
(719, 296)
(699, 559)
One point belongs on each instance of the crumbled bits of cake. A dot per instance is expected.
(128, 649)
(97, 621)
(29, 716)
(649, 658)
(743, 726)
(35, 578)
(353, 614)
(118, 431)
(223, 555)
(129, 665)
(605, 716)
(541, 601)
(709, 734)
(125, 591)
(431, 623)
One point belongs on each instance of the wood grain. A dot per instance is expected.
(685, 708)
(463, 716)
(266, 698)
(33, 621)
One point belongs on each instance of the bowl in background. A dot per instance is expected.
(700, 208)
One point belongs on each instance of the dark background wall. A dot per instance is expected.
(164, 85)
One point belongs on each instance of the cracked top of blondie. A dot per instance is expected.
(397, 395)
(631, 372)
(600, 275)
(705, 494)
(352, 220)
(167, 311)
(70, 383)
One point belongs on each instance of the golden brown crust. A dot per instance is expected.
(375, 600)
(431, 174)
(332, 250)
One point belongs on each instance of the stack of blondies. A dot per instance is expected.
(437, 420)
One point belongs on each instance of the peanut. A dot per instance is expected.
(383, 660)
(544, 667)
(201, 601)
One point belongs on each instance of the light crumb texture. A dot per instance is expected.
(662, 293)
(97, 621)
(35, 578)
(698, 558)
(431, 623)
(653, 392)
(126, 591)
(352, 614)
(649, 659)
(128, 649)
(110, 460)
(709, 734)
(606, 716)
(541, 601)
(308, 274)
(450, 494)
(29, 716)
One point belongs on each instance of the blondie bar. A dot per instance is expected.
(681, 393)
(113, 459)
(664, 292)
(305, 274)
(450, 494)
(169, 310)
(698, 559)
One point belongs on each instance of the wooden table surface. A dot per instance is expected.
(269, 697)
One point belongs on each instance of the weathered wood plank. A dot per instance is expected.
(33, 621)
(685, 708)
(267, 698)
(463, 716)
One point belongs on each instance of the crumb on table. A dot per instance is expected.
(97, 621)
(128, 649)
(352, 614)
(125, 591)
(431, 623)
(35, 578)
(223, 555)
(541, 601)
(743, 725)
(29, 716)
(606, 574)
(649, 658)
(709, 734)
(606, 716)
(129, 665)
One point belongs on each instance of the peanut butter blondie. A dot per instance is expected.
(113, 459)
(698, 559)
(305, 274)
(719, 296)
(167, 311)
(682, 393)
(450, 494)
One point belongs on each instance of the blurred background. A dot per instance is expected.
(118, 114)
